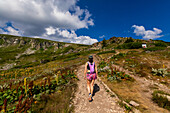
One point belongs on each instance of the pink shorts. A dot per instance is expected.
(91, 76)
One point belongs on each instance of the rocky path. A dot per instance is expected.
(102, 101)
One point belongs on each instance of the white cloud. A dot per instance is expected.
(147, 34)
(102, 36)
(55, 13)
(69, 36)
(10, 30)
(50, 30)
(37, 18)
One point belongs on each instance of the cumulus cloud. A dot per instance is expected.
(34, 17)
(50, 31)
(147, 34)
(9, 30)
(64, 35)
(13, 31)
(46, 12)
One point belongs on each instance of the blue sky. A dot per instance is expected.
(86, 21)
(116, 17)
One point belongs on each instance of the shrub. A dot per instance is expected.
(160, 72)
(128, 108)
(104, 43)
(160, 44)
(1, 41)
(120, 55)
(136, 45)
(129, 40)
(67, 49)
(72, 58)
(130, 45)
(102, 64)
(104, 52)
(162, 101)
(154, 48)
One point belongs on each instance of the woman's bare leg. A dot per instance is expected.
(88, 86)
(89, 89)
(91, 86)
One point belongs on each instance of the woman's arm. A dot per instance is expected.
(85, 70)
(96, 69)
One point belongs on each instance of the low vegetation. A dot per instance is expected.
(47, 80)
(104, 52)
(130, 45)
(160, 98)
(128, 108)
(160, 72)
(112, 73)
(19, 99)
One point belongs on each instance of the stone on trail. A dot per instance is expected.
(133, 103)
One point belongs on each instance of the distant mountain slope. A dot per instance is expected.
(118, 41)
(37, 43)
(17, 51)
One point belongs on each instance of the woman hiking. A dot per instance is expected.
(90, 73)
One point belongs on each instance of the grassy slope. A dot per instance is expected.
(8, 54)
(59, 101)
(54, 62)
(140, 63)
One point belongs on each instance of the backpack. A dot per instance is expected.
(92, 70)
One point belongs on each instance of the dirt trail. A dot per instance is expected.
(102, 102)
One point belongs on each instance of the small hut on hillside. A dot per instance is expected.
(144, 45)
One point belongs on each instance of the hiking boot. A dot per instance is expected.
(90, 97)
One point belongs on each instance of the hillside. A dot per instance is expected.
(140, 77)
(123, 41)
(23, 51)
(39, 75)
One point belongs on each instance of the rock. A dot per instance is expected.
(70, 105)
(111, 110)
(22, 42)
(133, 103)
(105, 68)
(8, 66)
(29, 51)
(136, 111)
(34, 61)
(145, 79)
(147, 51)
(66, 45)
(16, 41)
(166, 96)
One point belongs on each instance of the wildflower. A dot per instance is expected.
(163, 66)
(59, 91)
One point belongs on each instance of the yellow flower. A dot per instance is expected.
(59, 91)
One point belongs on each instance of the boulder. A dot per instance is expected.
(22, 42)
(133, 103)
(105, 68)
